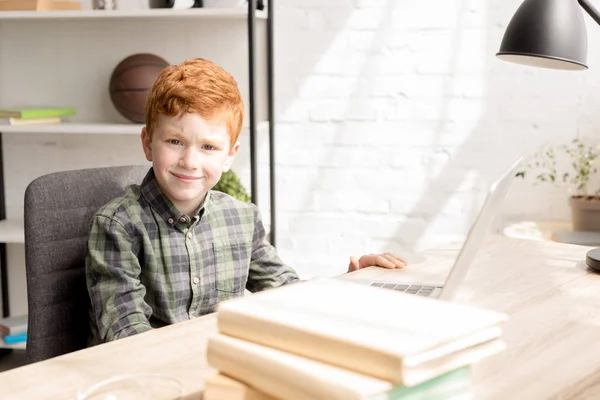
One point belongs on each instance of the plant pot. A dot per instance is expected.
(585, 213)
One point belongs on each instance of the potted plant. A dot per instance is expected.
(231, 185)
(582, 159)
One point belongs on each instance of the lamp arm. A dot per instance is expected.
(590, 9)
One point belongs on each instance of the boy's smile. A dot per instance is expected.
(188, 155)
(186, 178)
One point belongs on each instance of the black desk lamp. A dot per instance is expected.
(550, 34)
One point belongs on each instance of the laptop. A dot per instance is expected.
(469, 249)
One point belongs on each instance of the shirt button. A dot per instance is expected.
(196, 281)
(189, 235)
(170, 220)
(182, 219)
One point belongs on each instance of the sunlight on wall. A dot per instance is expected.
(459, 97)
(393, 99)
(459, 211)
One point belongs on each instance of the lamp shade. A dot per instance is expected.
(548, 34)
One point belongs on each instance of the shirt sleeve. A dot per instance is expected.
(113, 282)
(266, 268)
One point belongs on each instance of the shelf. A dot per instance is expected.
(98, 128)
(12, 231)
(16, 346)
(208, 13)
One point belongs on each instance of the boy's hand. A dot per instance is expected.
(385, 260)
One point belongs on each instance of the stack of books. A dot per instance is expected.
(13, 330)
(335, 339)
(34, 116)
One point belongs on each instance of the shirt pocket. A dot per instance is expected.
(232, 264)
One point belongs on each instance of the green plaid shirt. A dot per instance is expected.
(148, 265)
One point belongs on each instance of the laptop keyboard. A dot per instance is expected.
(420, 290)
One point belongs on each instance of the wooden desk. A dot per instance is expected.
(552, 337)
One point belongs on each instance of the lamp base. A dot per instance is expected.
(592, 259)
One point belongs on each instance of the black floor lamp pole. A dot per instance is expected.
(271, 105)
(252, 101)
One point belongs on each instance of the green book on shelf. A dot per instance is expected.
(29, 113)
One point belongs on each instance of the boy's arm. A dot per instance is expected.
(113, 281)
(266, 268)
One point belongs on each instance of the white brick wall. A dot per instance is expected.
(394, 117)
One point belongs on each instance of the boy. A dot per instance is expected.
(170, 249)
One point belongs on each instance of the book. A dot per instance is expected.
(30, 121)
(13, 325)
(222, 387)
(18, 338)
(398, 337)
(290, 377)
(27, 113)
(39, 5)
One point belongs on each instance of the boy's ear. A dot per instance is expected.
(231, 156)
(147, 144)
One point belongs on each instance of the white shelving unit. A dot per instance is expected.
(91, 128)
(64, 59)
(11, 231)
(98, 128)
(198, 13)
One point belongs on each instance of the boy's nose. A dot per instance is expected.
(190, 159)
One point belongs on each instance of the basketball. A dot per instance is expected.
(131, 81)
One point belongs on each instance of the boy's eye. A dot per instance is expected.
(175, 142)
(208, 147)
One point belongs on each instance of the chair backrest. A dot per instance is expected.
(58, 213)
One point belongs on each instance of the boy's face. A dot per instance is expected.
(188, 155)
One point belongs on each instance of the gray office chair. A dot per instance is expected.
(58, 212)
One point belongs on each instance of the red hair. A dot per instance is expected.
(196, 86)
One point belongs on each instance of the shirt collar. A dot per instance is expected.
(161, 203)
